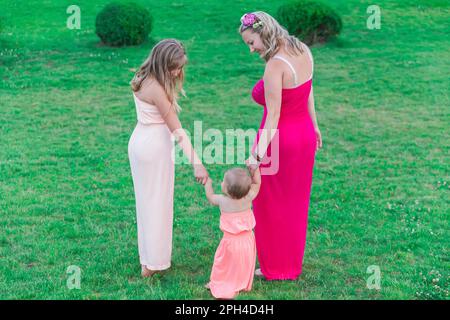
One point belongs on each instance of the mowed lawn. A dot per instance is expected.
(380, 192)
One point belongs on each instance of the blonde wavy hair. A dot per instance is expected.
(273, 35)
(166, 56)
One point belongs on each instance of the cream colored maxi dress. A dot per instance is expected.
(153, 171)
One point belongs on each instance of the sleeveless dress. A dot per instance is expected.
(235, 258)
(281, 207)
(153, 171)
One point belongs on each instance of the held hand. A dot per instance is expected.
(251, 164)
(318, 139)
(200, 173)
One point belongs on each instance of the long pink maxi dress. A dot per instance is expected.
(281, 207)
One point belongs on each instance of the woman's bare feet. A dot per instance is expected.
(258, 273)
(147, 272)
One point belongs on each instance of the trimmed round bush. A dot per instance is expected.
(123, 24)
(310, 21)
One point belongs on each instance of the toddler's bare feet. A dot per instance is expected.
(147, 272)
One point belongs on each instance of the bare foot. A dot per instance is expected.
(207, 286)
(258, 273)
(147, 272)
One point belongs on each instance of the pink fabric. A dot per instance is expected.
(147, 113)
(235, 258)
(281, 207)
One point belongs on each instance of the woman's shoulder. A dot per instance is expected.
(306, 51)
(273, 66)
(306, 48)
(279, 59)
(149, 89)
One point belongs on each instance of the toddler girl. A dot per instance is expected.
(235, 258)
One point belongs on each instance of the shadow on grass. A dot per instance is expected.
(7, 48)
(97, 44)
(5, 44)
(335, 42)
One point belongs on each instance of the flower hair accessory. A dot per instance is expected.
(251, 20)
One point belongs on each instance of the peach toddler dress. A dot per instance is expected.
(235, 258)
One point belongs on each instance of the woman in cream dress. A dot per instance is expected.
(155, 87)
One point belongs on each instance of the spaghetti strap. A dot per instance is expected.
(290, 66)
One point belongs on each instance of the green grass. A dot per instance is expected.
(381, 184)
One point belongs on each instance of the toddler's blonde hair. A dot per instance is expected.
(238, 182)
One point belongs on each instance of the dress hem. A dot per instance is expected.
(154, 268)
(281, 277)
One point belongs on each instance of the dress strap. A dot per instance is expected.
(290, 66)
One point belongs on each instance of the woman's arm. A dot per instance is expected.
(273, 83)
(256, 184)
(311, 108)
(173, 123)
(312, 113)
(311, 104)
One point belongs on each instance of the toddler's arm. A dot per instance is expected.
(256, 184)
(212, 198)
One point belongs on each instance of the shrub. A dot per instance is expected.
(121, 24)
(310, 21)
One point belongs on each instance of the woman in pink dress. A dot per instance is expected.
(285, 146)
